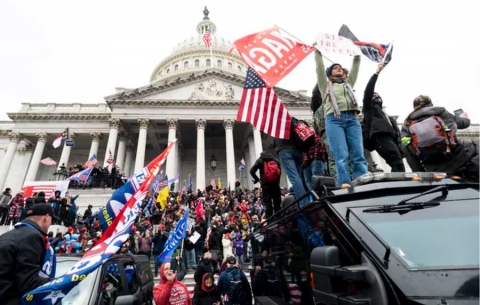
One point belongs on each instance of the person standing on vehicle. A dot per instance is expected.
(23, 254)
(233, 285)
(170, 291)
(270, 171)
(5, 199)
(382, 129)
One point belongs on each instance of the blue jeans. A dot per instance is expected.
(345, 137)
(291, 161)
(316, 168)
(157, 263)
(190, 257)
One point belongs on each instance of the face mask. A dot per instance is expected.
(377, 101)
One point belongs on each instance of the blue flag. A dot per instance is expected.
(174, 240)
(81, 176)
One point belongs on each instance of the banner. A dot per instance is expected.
(48, 187)
(175, 238)
(123, 194)
(110, 242)
(334, 44)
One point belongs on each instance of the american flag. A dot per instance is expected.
(209, 232)
(92, 161)
(110, 157)
(261, 107)
(48, 161)
(81, 176)
(163, 183)
(207, 38)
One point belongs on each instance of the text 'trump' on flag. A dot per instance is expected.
(261, 107)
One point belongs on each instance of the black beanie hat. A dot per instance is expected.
(329, 69)
(422, 100)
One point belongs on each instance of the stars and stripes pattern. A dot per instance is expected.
(81, 176)
(110, 157)
(163, 183)
(92, 161)
(261, 107)
(48, 161)
(207, 38)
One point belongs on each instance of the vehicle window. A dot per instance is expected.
(111, 283)
(81, 293)
(443, 236)
(145, 273)
(131, 276)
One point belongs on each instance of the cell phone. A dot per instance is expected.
(458, 112)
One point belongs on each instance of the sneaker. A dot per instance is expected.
(345, 186)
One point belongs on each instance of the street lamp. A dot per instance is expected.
(213, 160)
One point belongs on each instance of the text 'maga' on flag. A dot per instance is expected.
(374, 51)
(207, 38)
(65, 135)
(48, 161)
(283, 54)
(262, 108)
(82, 175)
(121, 196)
(109, 244)
(92, 161)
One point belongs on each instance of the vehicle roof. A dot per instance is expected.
(78, 256)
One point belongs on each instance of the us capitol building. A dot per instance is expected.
(191, 97)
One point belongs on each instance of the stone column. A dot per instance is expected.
(15, 138)
(122, 143)
(112, 140)
(42, 138)
(201, 123)
(253, 159)
(128, 161)
(172, 135)
(228, 124)
(96, 137)
(257, 137)
(65, 156)
(142, 143)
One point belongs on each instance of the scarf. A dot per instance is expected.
(204, 287)
(333, 100)
(50, 261)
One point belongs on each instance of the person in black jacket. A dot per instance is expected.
(206, 265)
(206, 292)
(22, 252)
(382, 129)
(159, 240)
(270, 190)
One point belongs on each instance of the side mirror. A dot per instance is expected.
(327, 256)
(126, 300)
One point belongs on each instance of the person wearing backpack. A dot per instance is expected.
(233, 285)
(269, 281)
(270, 172)
(381, 129)
(428, 124)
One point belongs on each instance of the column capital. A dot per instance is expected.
(228, 123)
(201, 123)
(24, 149)
(144, 123)
(42, 137)
(96, 136)
(122, 136)
(15, 137)
(73, 135)
(114, 123)
(172, 123)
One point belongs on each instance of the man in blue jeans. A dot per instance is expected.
(291, 160)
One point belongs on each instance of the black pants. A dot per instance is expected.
(271, 193)
(387, 147)
(4, 216)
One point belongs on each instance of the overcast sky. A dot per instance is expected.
(78, 52)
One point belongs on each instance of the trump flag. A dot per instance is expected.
(175, 238)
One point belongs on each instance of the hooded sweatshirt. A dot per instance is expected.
(170, 292)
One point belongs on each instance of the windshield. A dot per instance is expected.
(81, 293)
(440, 237)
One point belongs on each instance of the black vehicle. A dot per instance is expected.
(399, 238)
(122, 279)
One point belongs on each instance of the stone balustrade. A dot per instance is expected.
(64, 108)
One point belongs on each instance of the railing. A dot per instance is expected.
(65, 108)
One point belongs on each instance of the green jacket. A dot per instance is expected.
(340, 91)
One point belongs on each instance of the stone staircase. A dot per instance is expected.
(97, 197)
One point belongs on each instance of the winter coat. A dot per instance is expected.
(205, 266)
(158, 242)
(227, 248)
(201, 297)
(170, 292)
(22, 251)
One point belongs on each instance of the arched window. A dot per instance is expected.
(239, 69)
(185, 65)
(208, 63)
(230, 66)
(176, 68)
(197, 63)
(219, 63)
(168, 71)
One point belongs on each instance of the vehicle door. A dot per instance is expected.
(112, 283)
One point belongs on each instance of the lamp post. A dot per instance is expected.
(213, 160)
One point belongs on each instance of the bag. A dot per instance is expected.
(272, 283)
(272, 171)
(432, 139)
(303, 135)
(235, 291)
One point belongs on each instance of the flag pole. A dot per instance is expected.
(302, 42)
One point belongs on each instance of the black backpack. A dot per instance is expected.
(271, 282)
(235, 290)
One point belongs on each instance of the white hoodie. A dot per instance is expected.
(227, 248)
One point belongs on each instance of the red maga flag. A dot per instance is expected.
(271, 54)
(261, 107)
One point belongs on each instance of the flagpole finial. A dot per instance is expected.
(205, 14)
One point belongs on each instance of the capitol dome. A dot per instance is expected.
(191, 55)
